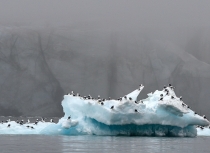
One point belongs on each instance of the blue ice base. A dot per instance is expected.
(93, 127)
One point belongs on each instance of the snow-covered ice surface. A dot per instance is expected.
(203, 131)
(126, 116)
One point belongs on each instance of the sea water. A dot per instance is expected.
(107, 144)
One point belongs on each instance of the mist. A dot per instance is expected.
(48, 48)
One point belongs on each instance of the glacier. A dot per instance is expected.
(162, 113)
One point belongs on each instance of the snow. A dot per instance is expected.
(203, 131)
(127, 116)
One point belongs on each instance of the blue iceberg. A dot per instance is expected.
(161, 114)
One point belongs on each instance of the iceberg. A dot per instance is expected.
(161, 114)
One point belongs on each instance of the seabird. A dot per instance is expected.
(136, 102)
(180, 98)
(136, 110)
(32, 127)
(204, 116)
(36, 123)
(51, 120)
(102, 103)
(21, 122)
(164, 87)
(161, 99)
(112, 107)
(27, 126)
(125, 97)
(130, 98)
(8, 125)
(161, 95)
(109, 98)
(172, 97)
(99, 97)
(69, 117)
(141, 85)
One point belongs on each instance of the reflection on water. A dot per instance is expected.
(56, 144)
(135, 144)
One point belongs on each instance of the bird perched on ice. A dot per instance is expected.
(112, 107)
(136, 110)
(141, 85)
(28, 121)
(36, 122)
(51, 120)
(8, 125)
(42, 120)
(204, 116)
(69, 118)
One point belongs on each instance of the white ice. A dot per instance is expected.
(150, 116)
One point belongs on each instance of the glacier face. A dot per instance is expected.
(161, 114)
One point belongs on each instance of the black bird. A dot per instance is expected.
(204, 116)
(161, 95)
(136, 102)
(69, 117)
(183, 104)
(27, 126)
(51, 120)
(169, 85)
(164, 87)
(32, 127)
(102, 103)
(8, 125)
(195, 113)
(136, 110)
(130, 98)
(180, 98)
(172, 97)
(161, 99)
(36, 123)
(125, 97)
(112, 107)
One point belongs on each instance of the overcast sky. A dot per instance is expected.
(115, 13)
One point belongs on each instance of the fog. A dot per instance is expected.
(48, 48)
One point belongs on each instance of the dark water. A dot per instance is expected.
(57, 144)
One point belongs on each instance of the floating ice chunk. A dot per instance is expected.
(68, 123)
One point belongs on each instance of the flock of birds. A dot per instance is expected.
(101, 101)
(28, 122)
(165, 90)
(43, 120)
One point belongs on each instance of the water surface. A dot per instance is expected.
(64, 144)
